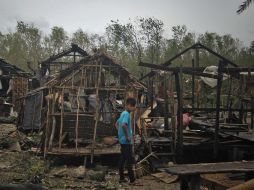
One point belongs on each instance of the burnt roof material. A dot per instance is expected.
(9, 69)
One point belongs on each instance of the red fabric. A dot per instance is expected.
(186, 119)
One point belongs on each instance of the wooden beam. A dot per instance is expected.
(209, 168)
(217, 55)
(214, 109)
(185, 70)
(217, 122)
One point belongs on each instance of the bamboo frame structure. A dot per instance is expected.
(225, 66)
(96, 77)
(233, 72)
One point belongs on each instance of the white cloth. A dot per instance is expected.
(211, 81)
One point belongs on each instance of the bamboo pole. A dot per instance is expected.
(77, 121)
(33, 115)
(134, 120)
(82, 77)
(97, 112)
(149, 155)
(72, 79)
(172, 108)
(179, 115)
(53, 123)
(47, 125)
(61, 125)
(92, 88)
(85, 81)
(166, 124)
(193, 86)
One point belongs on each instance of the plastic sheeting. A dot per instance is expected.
(211, 81)
(32, 112)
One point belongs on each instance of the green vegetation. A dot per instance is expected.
(145, 39)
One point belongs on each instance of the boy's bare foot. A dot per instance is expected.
(123, 181)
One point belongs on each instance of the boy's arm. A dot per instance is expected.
(124, 127)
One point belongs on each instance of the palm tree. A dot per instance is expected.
(244, 6)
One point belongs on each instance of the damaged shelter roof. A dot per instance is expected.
(9, 69)
(116, 69)
(75, 49)
(194, 46)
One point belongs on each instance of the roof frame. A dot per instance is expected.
(74, 49)
(194, 46)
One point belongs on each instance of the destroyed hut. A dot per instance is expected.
(80, 104)
(219, 99)
(14, 84)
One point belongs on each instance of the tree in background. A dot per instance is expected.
(82, 39)
(142, 39)
(125, 43)
(58, 40)
(22, 46)
(152, 29)
(244, 6)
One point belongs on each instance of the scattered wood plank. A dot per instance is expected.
(165, 177)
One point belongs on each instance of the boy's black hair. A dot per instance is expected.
(131, 101)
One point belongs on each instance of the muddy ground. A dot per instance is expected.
(18, 165)
(25, 167)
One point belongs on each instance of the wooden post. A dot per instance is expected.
(252, 101)
(195, 182)
(72, 79)
(62, 114)
(77, 121)
(228, 99)
(85, 80)
(197, 57)
(152, 91)
(173, 116)
(241, 92)
(197, 65)
(179, 115)
(53, 122)
(166, 112)
(47, 126)
(97, 111)
(85, 160)
(252, 110)
(134, 117)
(193, 86)
(216, 134)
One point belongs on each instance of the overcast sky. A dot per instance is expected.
(93, 15)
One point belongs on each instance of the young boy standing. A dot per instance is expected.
(126, 140)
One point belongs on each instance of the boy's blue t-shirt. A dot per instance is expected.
(124, 118)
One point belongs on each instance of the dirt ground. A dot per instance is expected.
(20, 166)
(24, 167)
